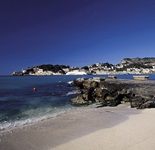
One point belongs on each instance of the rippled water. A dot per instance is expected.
(19, 104)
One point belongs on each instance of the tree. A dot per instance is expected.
(85, 68)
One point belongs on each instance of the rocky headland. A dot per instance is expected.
(126, 66)
(112, 92)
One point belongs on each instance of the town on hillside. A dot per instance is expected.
(126, 66)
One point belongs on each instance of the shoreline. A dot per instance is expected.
(11, 126)
(135, 133)
(109, 73)
(88, 128)
(73, 125)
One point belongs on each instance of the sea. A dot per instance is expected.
(21, 104)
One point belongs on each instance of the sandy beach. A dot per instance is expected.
(105, 128)
(136, 133)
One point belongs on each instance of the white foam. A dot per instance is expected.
(71, 93)
(70, 82)
(8, 126)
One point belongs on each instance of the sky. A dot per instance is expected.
(74, 32)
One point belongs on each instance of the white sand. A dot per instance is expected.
(118, 128)
(136, 133)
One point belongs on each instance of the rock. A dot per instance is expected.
(98, 79)
(112, 77)
(105, 93)
(89, 84)
(85, 96)
(78, 82)
(98, 92)
(99, 100)
(79, 100)
(113, 102)
(140, 94)
(90, 94)
(137, 101)
(148, 104)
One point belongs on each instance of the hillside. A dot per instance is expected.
(126, 66)
(150, 61)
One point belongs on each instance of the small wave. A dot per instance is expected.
(69, 82)
(71, 93)
(8, 126)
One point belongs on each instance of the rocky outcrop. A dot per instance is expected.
(142, 61)
(111, 92)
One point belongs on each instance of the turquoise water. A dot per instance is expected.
(19, 104)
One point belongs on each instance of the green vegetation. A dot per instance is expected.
(127, 64)
(85, 68)
(94, 65)
(134, 65)
(138, 65)
(108, 65)
(53, 68)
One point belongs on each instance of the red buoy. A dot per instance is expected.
(34, 89)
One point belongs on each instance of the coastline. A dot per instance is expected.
(88, 127)
(55, 133)
(135, 133)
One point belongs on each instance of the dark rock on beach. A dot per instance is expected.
(111, 92)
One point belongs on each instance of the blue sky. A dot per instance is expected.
(74, 32)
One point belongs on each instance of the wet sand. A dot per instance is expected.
(85, 128)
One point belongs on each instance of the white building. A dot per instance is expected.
(76, 72)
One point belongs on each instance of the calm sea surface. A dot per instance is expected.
(19, 104)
